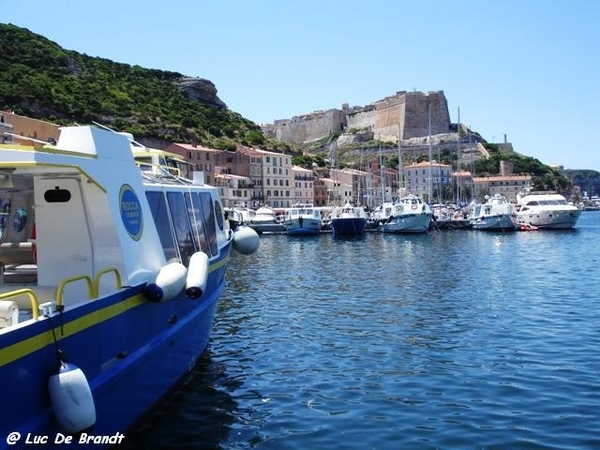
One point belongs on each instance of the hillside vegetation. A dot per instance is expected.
(40, 79)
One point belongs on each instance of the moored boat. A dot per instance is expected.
(302, 219)
(496, 214)
(265, 220)
(545, 210)
(111, 269)
(348, 220)
(409, 214)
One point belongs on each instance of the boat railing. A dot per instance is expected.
(60, 290)
(28, 297)
(30, 294)
(100, 274)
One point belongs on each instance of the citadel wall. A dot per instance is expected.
(405, 113)
(309, 127)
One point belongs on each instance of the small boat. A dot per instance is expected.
(545, 210)
(265, 220)
(496, 214)
(408, 214)
(348, 220)
(302, 219)
(111, 267)
(449, 217)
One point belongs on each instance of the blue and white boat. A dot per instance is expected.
(496, 214)
(302, 219)
(409, 214)
(348, 220)
(111, 267)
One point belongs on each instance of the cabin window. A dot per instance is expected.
(181, 226)
(209, 220)
(158, 206)
(194, 208)
(203, 210)
(57, 195)
(219, 214)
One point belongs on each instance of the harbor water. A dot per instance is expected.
(451, 339)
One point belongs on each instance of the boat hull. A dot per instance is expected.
(408, 223)
(348, 225)
(140, 351)
(267, 227)
(307, 226)
(553, 220)
(505, 222)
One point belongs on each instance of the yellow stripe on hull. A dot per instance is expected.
(41, 340)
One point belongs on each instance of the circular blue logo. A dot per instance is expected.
(131, 212)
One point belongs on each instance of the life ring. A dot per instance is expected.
(413, 206)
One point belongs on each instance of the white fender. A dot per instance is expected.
(245, 240)
(197, 275)
(169, 282)
(71, 398)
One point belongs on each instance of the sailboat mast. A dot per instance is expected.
(430, 200)
(381, 174)
(400, 164)
(458, 168)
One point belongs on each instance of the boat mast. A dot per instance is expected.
(359, 197)
(401, 192)
(429, 200)
(458, 168)
(381, 175)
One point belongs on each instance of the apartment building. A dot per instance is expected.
(277, 179)
(200, 158)
(304, 185)
(429, 180)
(508, 185)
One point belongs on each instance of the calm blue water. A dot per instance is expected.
(454, 339)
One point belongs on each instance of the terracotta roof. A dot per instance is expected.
(501, 178)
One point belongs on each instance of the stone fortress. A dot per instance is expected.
(405, 115)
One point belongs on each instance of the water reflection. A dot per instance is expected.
(457, 339)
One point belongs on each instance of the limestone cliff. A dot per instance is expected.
(201, 90)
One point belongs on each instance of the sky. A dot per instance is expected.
(525, 69)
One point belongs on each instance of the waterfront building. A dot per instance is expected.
(255, 172)
(351, 185)
(277, 178)
(320, 187)
(304, 189)
(428, 180)
(507, 185)
(234, 190)
(200, 159)
(463, 187)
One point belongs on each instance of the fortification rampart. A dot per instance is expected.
(406, 114)
(310, 127)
